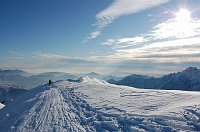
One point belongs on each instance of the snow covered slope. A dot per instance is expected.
(1, 105)
(97, 106)
(9, 93)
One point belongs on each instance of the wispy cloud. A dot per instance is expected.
(15, 55)
(168, 30)
(124, 42)
(48, 56)
(44, 62)
(174, 51)
(92, 35)
(57, 58)
(120, 8)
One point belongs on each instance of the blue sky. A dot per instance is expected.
(108, 36)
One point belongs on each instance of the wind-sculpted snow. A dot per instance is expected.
(96, 106)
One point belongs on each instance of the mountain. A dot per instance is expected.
(10, 93)
(54, 76)
(13, 72)
(20, 81)
(138, 81)
(106, 78)
(188, 79)
(90, 105)
(16, 78)
(91, 80)
(99, 76)
(91, 75)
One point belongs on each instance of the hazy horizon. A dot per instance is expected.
(113, 74)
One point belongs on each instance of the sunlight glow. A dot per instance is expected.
(183, 16)
(182, 26)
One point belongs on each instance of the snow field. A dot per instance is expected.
(97, 106)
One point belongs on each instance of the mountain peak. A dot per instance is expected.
(87, 79)
(191, 69)
(13, 72)
(93, 73)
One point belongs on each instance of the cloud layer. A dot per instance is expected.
(170, 41)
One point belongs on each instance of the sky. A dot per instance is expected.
(118, 37)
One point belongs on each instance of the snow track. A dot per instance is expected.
(87, 106)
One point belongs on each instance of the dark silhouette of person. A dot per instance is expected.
(50, 82)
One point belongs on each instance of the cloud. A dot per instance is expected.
(94, 52)
(94, 34)
(44, 62)
(175, 51)
(47, 56)
(124, 7)
(15, 55)
(57, 58)
(120, 8)
(124, 42)
(175, 29)
(168, 30)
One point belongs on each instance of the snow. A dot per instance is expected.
(86, 79)
(93, 105)
(1, 106)
(8, 93)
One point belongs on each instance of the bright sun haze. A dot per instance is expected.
(183, 15)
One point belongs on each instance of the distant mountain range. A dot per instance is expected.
(99, 76)
(24, 80)
(13, 72)
(188, 79)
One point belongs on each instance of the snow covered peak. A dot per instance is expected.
(87, 79)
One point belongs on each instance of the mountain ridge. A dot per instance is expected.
(188, 79)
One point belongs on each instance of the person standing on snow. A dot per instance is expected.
(50, 82)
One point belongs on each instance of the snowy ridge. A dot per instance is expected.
(85, 106)
(87, 79)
